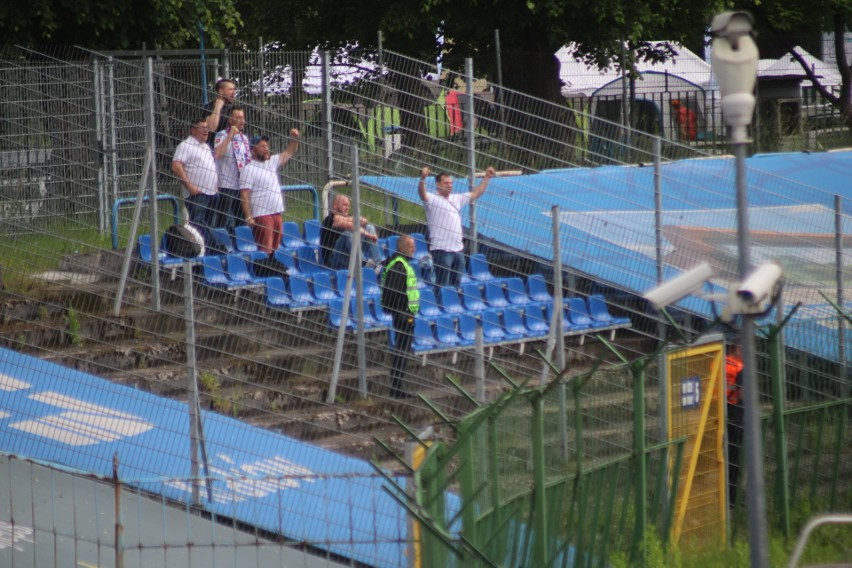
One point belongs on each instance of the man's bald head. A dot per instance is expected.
(405, 245)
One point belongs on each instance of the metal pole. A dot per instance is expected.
(327, 119)
(355, 253)
(556, 324)
(152, 200)
(500, 106)
(658, 238)
(119, 519)
(756, 492)
(841, 284)
(191, 378)
(479, 362)
(471, 154)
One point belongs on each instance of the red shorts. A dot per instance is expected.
(267, 232)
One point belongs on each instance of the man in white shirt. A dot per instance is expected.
(260, 191)
(232, 152)
(443, 217)
(194, 167)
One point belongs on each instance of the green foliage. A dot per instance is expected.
(72, 319)
(119, 25)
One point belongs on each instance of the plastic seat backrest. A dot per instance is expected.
(421, 249)
(495, 296)
(276, 293)
(467, 327)
(578, 312)
(424, 338)
(369, 320)
(492, 329)
(292, 237)
(392, 240)
(144, 247)
(335, 314)
(300, 289)
(513, 318)
(221, 236)
(288, 259)
(479, 267)
(428, 304)
(537, 288)
(472, 297)
(379, 313)
(237, 268)
(312, 232)
(244, 239)
(214, 274)
(516, 292)
(370, 282)
(445, 331)
(323, 289)
(450, 300)
(599, 310)
(536, 318)
(308, 257)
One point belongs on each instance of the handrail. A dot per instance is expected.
(306, 187)
(814, 523)
(125, 200)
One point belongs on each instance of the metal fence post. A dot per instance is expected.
(151, 135)
(471, 152)
(841, 285)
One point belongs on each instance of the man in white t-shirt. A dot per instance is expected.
(443, 217)
(232, 152)
(260, 191)
(195, 168)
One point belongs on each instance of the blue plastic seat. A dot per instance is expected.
(276, 294)
(323, 290)
(492, 329)
(495, 296)
(467, 328)
(578, 312)
(288, 259)
(370, 282)
(478, 268)
(450, 300)
(215, 274)
(513, 323)
(335, 314)
(429, 307)
(537, 288)
(599, 311)
(567, 324)
(445, 332)
(143, 247)
(535, 318)
(370, 322)
(516, 292)
(291, 235)
(222, 240)
(424, 338)
(340, 277)
(312, 232)
(245, 243)
(308, 259)
(300, 291)
(471, 297)
(383, 317)
(238, 269)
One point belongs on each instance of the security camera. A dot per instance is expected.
(760, 285)
(678, 288)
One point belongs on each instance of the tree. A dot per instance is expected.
(783, 25)
(103, 24)
(530, 31)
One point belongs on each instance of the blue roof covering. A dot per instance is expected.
(607, 216)
(306, 493)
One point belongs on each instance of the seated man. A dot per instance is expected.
(336, 237)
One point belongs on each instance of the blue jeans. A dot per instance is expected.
(203, 210)
(449, 267)
(230, 209)
(342, 246)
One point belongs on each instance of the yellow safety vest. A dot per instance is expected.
(411, 289)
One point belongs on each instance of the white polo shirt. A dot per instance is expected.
(443, 216)
(261, 179)
(200, 167)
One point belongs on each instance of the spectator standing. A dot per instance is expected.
(195, 168)
(443, 217)
(232, 151)
(336, 236)
(401, 299)
(219, 109)
(686, 120)
(734, 418)
(260, 191)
